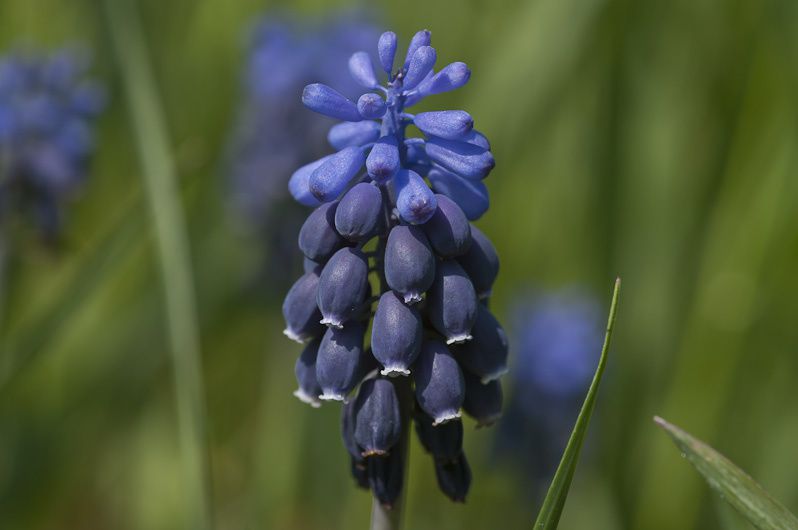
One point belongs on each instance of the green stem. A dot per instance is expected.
(161, 187)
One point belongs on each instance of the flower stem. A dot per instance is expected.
(161, 186)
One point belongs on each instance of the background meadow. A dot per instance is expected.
(655, 141)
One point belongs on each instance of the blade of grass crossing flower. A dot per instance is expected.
(160, 182)
(550, 512)
(742, 492)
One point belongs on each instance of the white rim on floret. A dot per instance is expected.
(446, 417)
(331, 322)
(332, 396)
(459, 339)
(294, 336)
(413, 298)
(395, 371)
(304, 397)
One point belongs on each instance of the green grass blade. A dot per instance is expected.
(160, 183)
(732, 483)
(550, 512)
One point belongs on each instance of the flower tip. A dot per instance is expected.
(395, 371)
(332, 396)
(294, 336)
(446, 417)
(304, 397)
(412, 298)
(459, 339)
(332, 322)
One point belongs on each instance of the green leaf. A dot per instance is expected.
(550, 512)
(731, 482)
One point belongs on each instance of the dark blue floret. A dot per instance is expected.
(396, 335)
(409, 262)
(300, 310)
(360, 213)
(343, 286)
(439, 382)
(415, 201)
(318, 239)
(452, 302)
(383, 161)
(339, 363)
(415, 197)
(378, 423)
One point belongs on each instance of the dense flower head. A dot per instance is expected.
(558, 337)
(390, 241)
(47, 112)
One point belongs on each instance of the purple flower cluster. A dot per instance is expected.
(47, 114)
(432, 269)
(558, 339)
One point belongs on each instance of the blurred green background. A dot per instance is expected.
(653, 140)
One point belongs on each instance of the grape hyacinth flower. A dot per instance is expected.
(558, 337)
(48, 109)
(394, 209)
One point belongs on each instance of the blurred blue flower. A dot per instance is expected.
(558, 337)
(47, 112)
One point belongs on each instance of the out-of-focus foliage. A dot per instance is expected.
(656, 141)
(730, 482)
